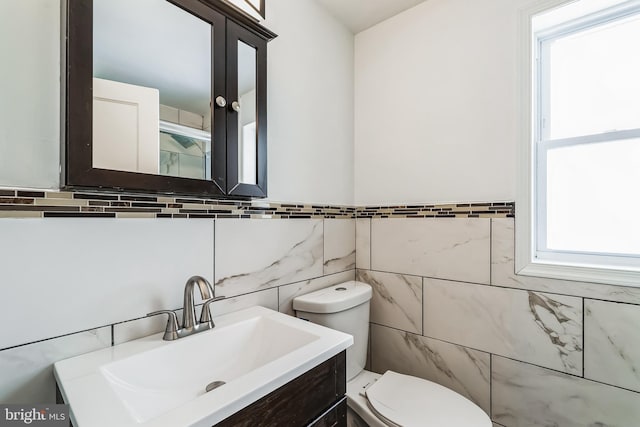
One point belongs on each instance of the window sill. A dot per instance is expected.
(581, 273)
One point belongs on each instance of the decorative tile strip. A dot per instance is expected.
(60, 204)
(458, 210)
(57, 204)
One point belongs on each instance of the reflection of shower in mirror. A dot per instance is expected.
(184, 151)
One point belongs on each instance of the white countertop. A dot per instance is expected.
(150, 382)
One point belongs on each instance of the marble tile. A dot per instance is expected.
(138, 328)
(27, 371)
(339, 245)
(267, 298)
(612, 343)
(396, 300)
(258, 254)
(461, 369)
(363, 243)
(538, 328)
(432, 247)
(528, 396)
(503, 272)
(87, 273)
(288, 292)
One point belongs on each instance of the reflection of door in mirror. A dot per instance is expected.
(152, 89)
(125, 127)
(247, 136)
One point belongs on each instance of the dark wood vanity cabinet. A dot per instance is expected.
(336, 416)
(316, 398)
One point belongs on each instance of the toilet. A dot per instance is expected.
(391, 399)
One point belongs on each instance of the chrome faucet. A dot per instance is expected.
(189, 325)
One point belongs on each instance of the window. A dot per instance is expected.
(583, 144)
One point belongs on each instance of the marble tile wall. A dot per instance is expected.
(447, 305)
(529, 351)
(528, 395)
(92, 281)
(462, 369)
(433, 247)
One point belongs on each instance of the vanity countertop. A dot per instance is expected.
(154, 383)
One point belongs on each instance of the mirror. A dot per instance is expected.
(247, 135)
(152, 74)
(153, 97)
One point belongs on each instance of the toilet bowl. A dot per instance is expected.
(391, 399)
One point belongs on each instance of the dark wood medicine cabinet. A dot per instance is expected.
(91, 157)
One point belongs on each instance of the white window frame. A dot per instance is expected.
(532, 147)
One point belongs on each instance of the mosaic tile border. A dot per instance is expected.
(62, 204)
(56, 204)
(457, 210)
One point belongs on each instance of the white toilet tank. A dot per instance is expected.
(343, 307)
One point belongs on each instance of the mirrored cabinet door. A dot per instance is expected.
(151, 89)
(246, 129)
(140, 78)
(164, 96)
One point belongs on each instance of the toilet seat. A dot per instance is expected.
(406, 401)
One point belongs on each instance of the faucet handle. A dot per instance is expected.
(171, 331)
(205, 315)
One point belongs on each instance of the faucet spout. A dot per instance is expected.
(206, 292)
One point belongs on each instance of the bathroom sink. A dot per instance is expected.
(151, 382)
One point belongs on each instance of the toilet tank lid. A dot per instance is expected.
(334, 299)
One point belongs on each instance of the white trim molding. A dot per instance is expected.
(526, 261)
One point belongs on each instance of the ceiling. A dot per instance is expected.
(358, 15)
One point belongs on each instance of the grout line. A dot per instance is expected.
(422, 325)
(113, 338)
(491, 386)
(324, 244)
(512, 288)
(370, 241)
(53, 338)
(566, 374)
(583, 337)
(572, 376)
(176, 309)
(491, 252)
(370, 350)
(609, 301)
(355, 241)
(214, 256)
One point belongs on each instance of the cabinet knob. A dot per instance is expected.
(235, 105)
(220, 101)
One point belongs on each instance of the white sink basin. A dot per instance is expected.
(151, 382)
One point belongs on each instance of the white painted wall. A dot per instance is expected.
(310, 72)
(29, 93)
(435, 102)
(310, 100)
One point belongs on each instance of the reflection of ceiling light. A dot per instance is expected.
(252, 8)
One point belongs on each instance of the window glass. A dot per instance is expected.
(593, 200)
(594, 83)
